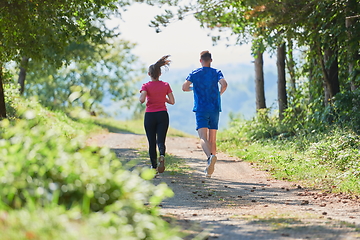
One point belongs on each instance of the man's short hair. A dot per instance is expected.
(205, 55)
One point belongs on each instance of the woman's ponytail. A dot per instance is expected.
(155, 69)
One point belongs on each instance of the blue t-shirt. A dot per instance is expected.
(205, 82)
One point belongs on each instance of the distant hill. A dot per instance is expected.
(239, 97)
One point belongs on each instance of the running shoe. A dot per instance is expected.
(206, 174)
(161, 167)
(210, 165)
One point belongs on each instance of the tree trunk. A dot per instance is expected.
(282, 96)
(327, 97)
(331, 79)
(333, 72)
(259, 81)
(290, 63)
(313, 90)
(353, 55)
(22, 74)
(2, 96)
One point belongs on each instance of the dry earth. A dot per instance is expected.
(240, 201)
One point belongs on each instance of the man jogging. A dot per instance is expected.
(207, 105)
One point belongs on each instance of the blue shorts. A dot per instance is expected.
(208, 120)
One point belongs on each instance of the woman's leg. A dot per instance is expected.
(150, 129)
(161, 131)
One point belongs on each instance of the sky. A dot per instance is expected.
(183, 40)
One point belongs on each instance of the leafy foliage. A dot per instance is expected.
(346, 112)
(43, 30)
(29, 27)
(108, 70)
(60, 224)
(338, 151)
(316, 29)
(326, 158)
(56, 169)
(46, 170)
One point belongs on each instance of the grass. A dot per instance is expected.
(326, 161)
(135, 126)
(116, 126)
(174, 165)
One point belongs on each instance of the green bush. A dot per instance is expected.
(327, 159)
(41, 167)
(346, 112)
(260, 127)
(58, 224)
(338, 150)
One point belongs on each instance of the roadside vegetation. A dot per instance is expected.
(53, 186)
(319, 156)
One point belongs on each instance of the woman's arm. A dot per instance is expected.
(142, 96)
(170, 99)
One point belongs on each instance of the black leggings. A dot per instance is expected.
(156, 125)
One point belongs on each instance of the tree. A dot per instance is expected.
(282, 96)
(317, 25)
(290, 63)
(106, 70)
(353, 56)
(41, 30)
(22, 74)
(239, 16)
(259, 81)
(2, 97)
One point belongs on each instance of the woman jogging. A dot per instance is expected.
(156, 120)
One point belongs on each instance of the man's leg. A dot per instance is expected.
(204, 142)
(208, 144)
(208, 140)
(212, 141)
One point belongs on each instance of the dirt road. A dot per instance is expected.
(239, 201)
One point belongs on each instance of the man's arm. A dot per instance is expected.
(223, 85)
(186, 86)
